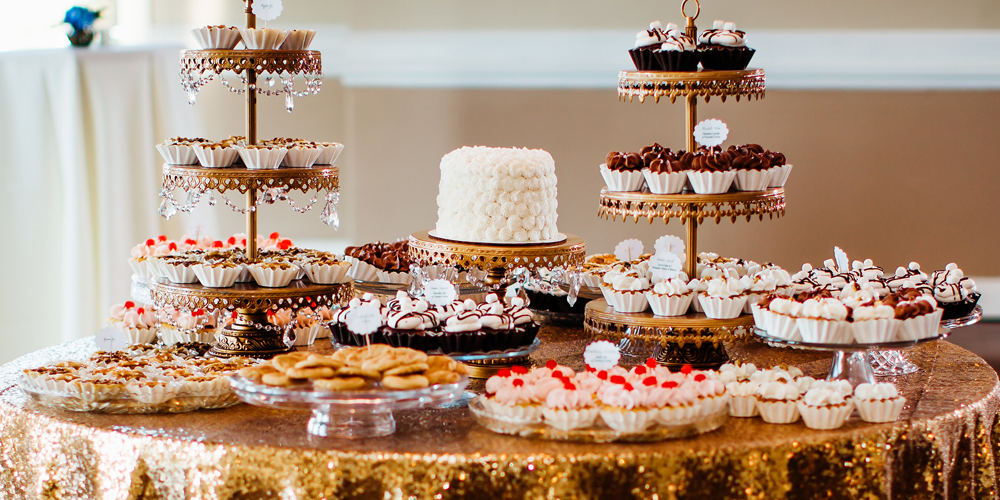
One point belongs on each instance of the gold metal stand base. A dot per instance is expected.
(243, 338)
(487, 368)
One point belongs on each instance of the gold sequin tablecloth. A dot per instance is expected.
(944, 446)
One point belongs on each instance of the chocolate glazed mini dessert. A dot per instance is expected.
(724, 47)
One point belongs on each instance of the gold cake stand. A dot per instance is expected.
(692, 339)
(250, 334)
(497, 261)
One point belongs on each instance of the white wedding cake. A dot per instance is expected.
(497, 195)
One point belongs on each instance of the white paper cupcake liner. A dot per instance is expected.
(712, 404)
(243, 275)
(669, 305)
(761, 318)
(711, 182)
(177, 154)
(752, 180)
(97, 392)
(779, 175)
(591, 280)
(137, 335)
(179, 274)
(363, 271)
(216, 277)
(630, 301)
(263, 39)
(609, 294)
(217, 387)
(676, 415)
(398, 278)
(515, 413)
(213, 37)
(300, 157)
(172, 335)
(743, 406)
(873, 331)
(778, 412)
(139, 267)
(215, 157)
(696, 305)
(155, 394)
(665, 182)
(622, 180)
(880, 411)
(298, 40)
(784, 327)
(273, 278)
(155, 267)
(920, 327)
(323, 332)
(752, 298)
(329, 151)
(628, 421)
(722, 307)
(262, 158)
(570, 419)
(326, 274)
(303, 336)
(824, 417)
(824, 331)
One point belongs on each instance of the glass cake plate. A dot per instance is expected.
(598, 433)
(75, 401)
(559, 238)
(347, 414)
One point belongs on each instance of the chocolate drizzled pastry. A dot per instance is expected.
(393, 257)
(621, 160)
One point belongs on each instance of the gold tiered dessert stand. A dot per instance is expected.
(694, 338)
(249, 334)
(497, 261)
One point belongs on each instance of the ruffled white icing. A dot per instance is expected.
(673, 286)
(879, 391)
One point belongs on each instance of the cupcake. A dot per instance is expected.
(740, 388)
(623, 409)
(138, 323)
(182, 327)
(262, 157)
(780, 169)
(217, 274)
(663, 173)
(301, 155)
(712, 396)
(214, 155)
(515, 400)
(139, 258)
(298, 40)
(753, 172)
(954, 293)
(879, 402)
(826, 405)
(629, 293)
(497, 326)
(920, 317)
(569, 408)
(825, 321)
(875, 323)
(408, 326)
(678, 52)
(273, 274)
(217, 37)
(178, 269)
(777, 400)
(761, 283)
(623, 172)
(670, 298)
(723, 298)
(645, 42)
(462, 331)
(523, 320)
(328, 152)
(263, 38)
(326, 270)
(724, 47)
(711, 173)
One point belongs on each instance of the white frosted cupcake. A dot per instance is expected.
(879, 402)
(629, 294)
(826, 405)
(711, 182)
(670, 298)
(776, 402)
(740, 387)
(139, 324)
(516, 400)
(665, 182)
(723, 298)
(622, 179)
(273, 274)
(301, 156)
(327, 271)
(217, 274)
(298, 40)
(779, 175)
(623, 409)
(263, 38)
(328, 152)
(875, 323)
(697, 287)
(215, 155)
(568, 408)
(824, 321)
(217, 37)
(782, 323)
(262, 157)
(676, 404)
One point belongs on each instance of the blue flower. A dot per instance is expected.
(81, 18)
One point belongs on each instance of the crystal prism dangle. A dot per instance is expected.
(269, 80)
(574, 288)
(329, 215)
(192, 96)
(289, 102)
(211, 200)
(167, 209)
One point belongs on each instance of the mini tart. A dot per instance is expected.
(743, 406)
(752, 180)
(304, 335)
(301, 156)
(179, 271)
(327, 271)
(215, 155)
(178, 154)
(630, 301)
(525, 413)
(567, 420)
(262, 157)
(722, 307)
(921, 326)
(880, 410)
(136, 335)
(665, 182)
(153, 392)
(273, 274)
(329, 152)
(263, 38)
(779, 175)
(628, 421)
(825, 331)
(825, 417)
(669, 305)
(217, 37)
(298, 40)
(784, 327)
(140, 267)
(874, 331)
(217, 275)
(204, 386)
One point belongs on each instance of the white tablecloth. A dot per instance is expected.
(80, 182)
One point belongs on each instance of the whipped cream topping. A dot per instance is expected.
(821, 396)
(653, 36)
(743, 389)
(828, 309)
(875, 392)
(568, 397)
(723, 287)
(736, 373)
(622, 396)
(951, 285)
(723, 33)
(782, 391)
(876, 310)
(675, 40)
(673, 287)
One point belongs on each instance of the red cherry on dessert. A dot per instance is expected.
(651, 363)
(551, 364)
(172, 246)
(603, 375)
(231, 240)
(217, 244)
(517, 382)
(275, 235)
(628, 387)
(243, 242)
(140, 311)
(162, 237)
(699, 377)
(670, 384)
(568, 385)
(235, 314)
(197, 312)
(504, 372)
(617, 379)
(649, 381)
(520, 370)
(190, 241)
(640, 370)
(129, 304)
(591, 369)
(150, 242)
(284, 244)
(686, 369)
(270, 312)
(558, 374)
(312, 305)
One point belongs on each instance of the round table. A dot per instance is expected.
(943, 446)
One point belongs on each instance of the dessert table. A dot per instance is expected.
(943, 446)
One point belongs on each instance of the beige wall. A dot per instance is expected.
(892, 176)
(591, 14)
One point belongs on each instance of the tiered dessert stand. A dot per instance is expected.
(250, 334)
(498, 262)
(694, 338)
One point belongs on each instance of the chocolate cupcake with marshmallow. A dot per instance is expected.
(724, 47)
(678, 52)
(645, 42)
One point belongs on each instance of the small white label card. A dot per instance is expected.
(268, 10)
(665, 266)
(711, 132)
(439, 292)
(670, 243)
(111, 339)
(364, 320)
(628, 249)
(843, 265)
(601, 355)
